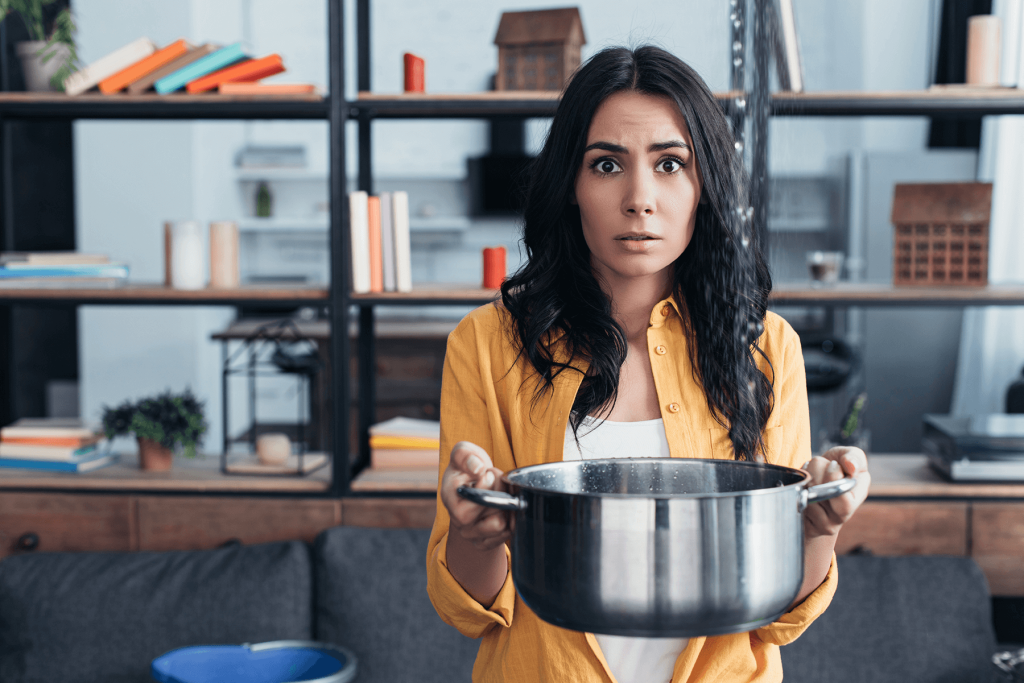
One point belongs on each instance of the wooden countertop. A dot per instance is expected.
(905, 475)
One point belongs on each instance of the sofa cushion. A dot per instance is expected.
(105, 616)
(371, 597)
(899, 619)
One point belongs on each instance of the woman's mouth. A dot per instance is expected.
(636, 237)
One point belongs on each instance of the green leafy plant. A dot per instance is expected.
(31, 12)
(172, 420)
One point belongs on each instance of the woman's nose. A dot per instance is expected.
(639, 199)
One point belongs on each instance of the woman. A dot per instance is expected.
(637, 327)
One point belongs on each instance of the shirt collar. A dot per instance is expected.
(659, 314)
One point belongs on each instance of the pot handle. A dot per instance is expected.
(492, 499)
(820, 492)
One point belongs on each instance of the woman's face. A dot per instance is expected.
(638, 187)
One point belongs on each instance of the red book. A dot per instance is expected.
(415, 68)
(252, 70)
(376, 250)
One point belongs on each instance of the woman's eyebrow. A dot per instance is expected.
(662, 146)
(608, 147)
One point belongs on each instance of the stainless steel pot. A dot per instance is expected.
(658, 547)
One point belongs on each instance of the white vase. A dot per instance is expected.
(37, 74)
(187, 267)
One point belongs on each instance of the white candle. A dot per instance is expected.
(223, 254)
(983, 48)
(187, 255)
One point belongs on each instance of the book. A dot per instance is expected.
(359, 238)
(408, 427)
(226, 56)
(403, 246)
(108, 65)
(404, 459)
(373, 230)
(45, 427)
(62, 282)
(55, 453)
(791, 73)
(145, 66)
(66, 441)
(51, 258)
(387, 242)
(147, 81)
(252, 70)
(69, 270)
(241, 88)
(101, 459)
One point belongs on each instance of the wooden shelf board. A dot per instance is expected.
(153, 106)
(909, 476)
(202, 475)
(143, 293)
(430, 294)
(856, 294)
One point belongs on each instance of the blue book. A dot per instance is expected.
(226, 56)
(109, 270)
(101, 459)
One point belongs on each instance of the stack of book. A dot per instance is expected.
(59, 270)
(381, 249)
(61, 445)
(140, 66)
(404, 443)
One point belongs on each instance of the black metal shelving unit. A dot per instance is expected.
(749, 98)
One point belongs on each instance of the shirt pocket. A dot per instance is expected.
(721, 444)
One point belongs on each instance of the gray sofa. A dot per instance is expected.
(88, 617)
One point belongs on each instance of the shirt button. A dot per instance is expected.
(660, 350)
(673, 407)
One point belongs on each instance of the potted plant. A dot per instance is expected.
(45, 60)
(162, 424)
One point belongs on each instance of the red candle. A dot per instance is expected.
(415, 69)
(494, 267)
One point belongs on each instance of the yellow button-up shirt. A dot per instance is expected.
(487, 398)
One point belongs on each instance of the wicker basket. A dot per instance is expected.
(941, 233)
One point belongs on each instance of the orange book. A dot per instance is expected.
(249, 88)
(376, 250)
(68, 441)
(140, 69)
(252, 70)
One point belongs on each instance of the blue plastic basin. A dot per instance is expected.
(285, 661)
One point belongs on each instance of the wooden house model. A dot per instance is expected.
(538, 50)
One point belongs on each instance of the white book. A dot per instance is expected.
(359, 237)
(52, 453)
(387, 242)
(787, 23)
(403, 247)
(408, 426)
(1012, 57)
(108, 65)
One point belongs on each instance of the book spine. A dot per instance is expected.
(80, 81)
(208, 64)
(403, 247)
(387, 242)
(359, 237)
(376, 259)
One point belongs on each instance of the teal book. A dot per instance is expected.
(105, 270)
(100, 459)
(226, 56)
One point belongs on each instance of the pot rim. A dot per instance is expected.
(802, 484)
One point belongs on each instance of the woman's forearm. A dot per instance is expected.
(481, 573)
(817, 559)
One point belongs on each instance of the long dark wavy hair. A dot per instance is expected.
(721, 277)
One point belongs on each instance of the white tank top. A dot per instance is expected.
(631, 660)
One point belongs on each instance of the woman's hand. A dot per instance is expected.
(482, 527)
(475, 533)
(823, 520)
(828, 516)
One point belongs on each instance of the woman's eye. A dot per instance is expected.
(669, 165)
(605, 166)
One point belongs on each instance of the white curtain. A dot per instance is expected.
(992, 339)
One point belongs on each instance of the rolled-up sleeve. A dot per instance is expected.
(469, 412)
(791, 411)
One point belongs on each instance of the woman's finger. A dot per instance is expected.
(469, 458)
